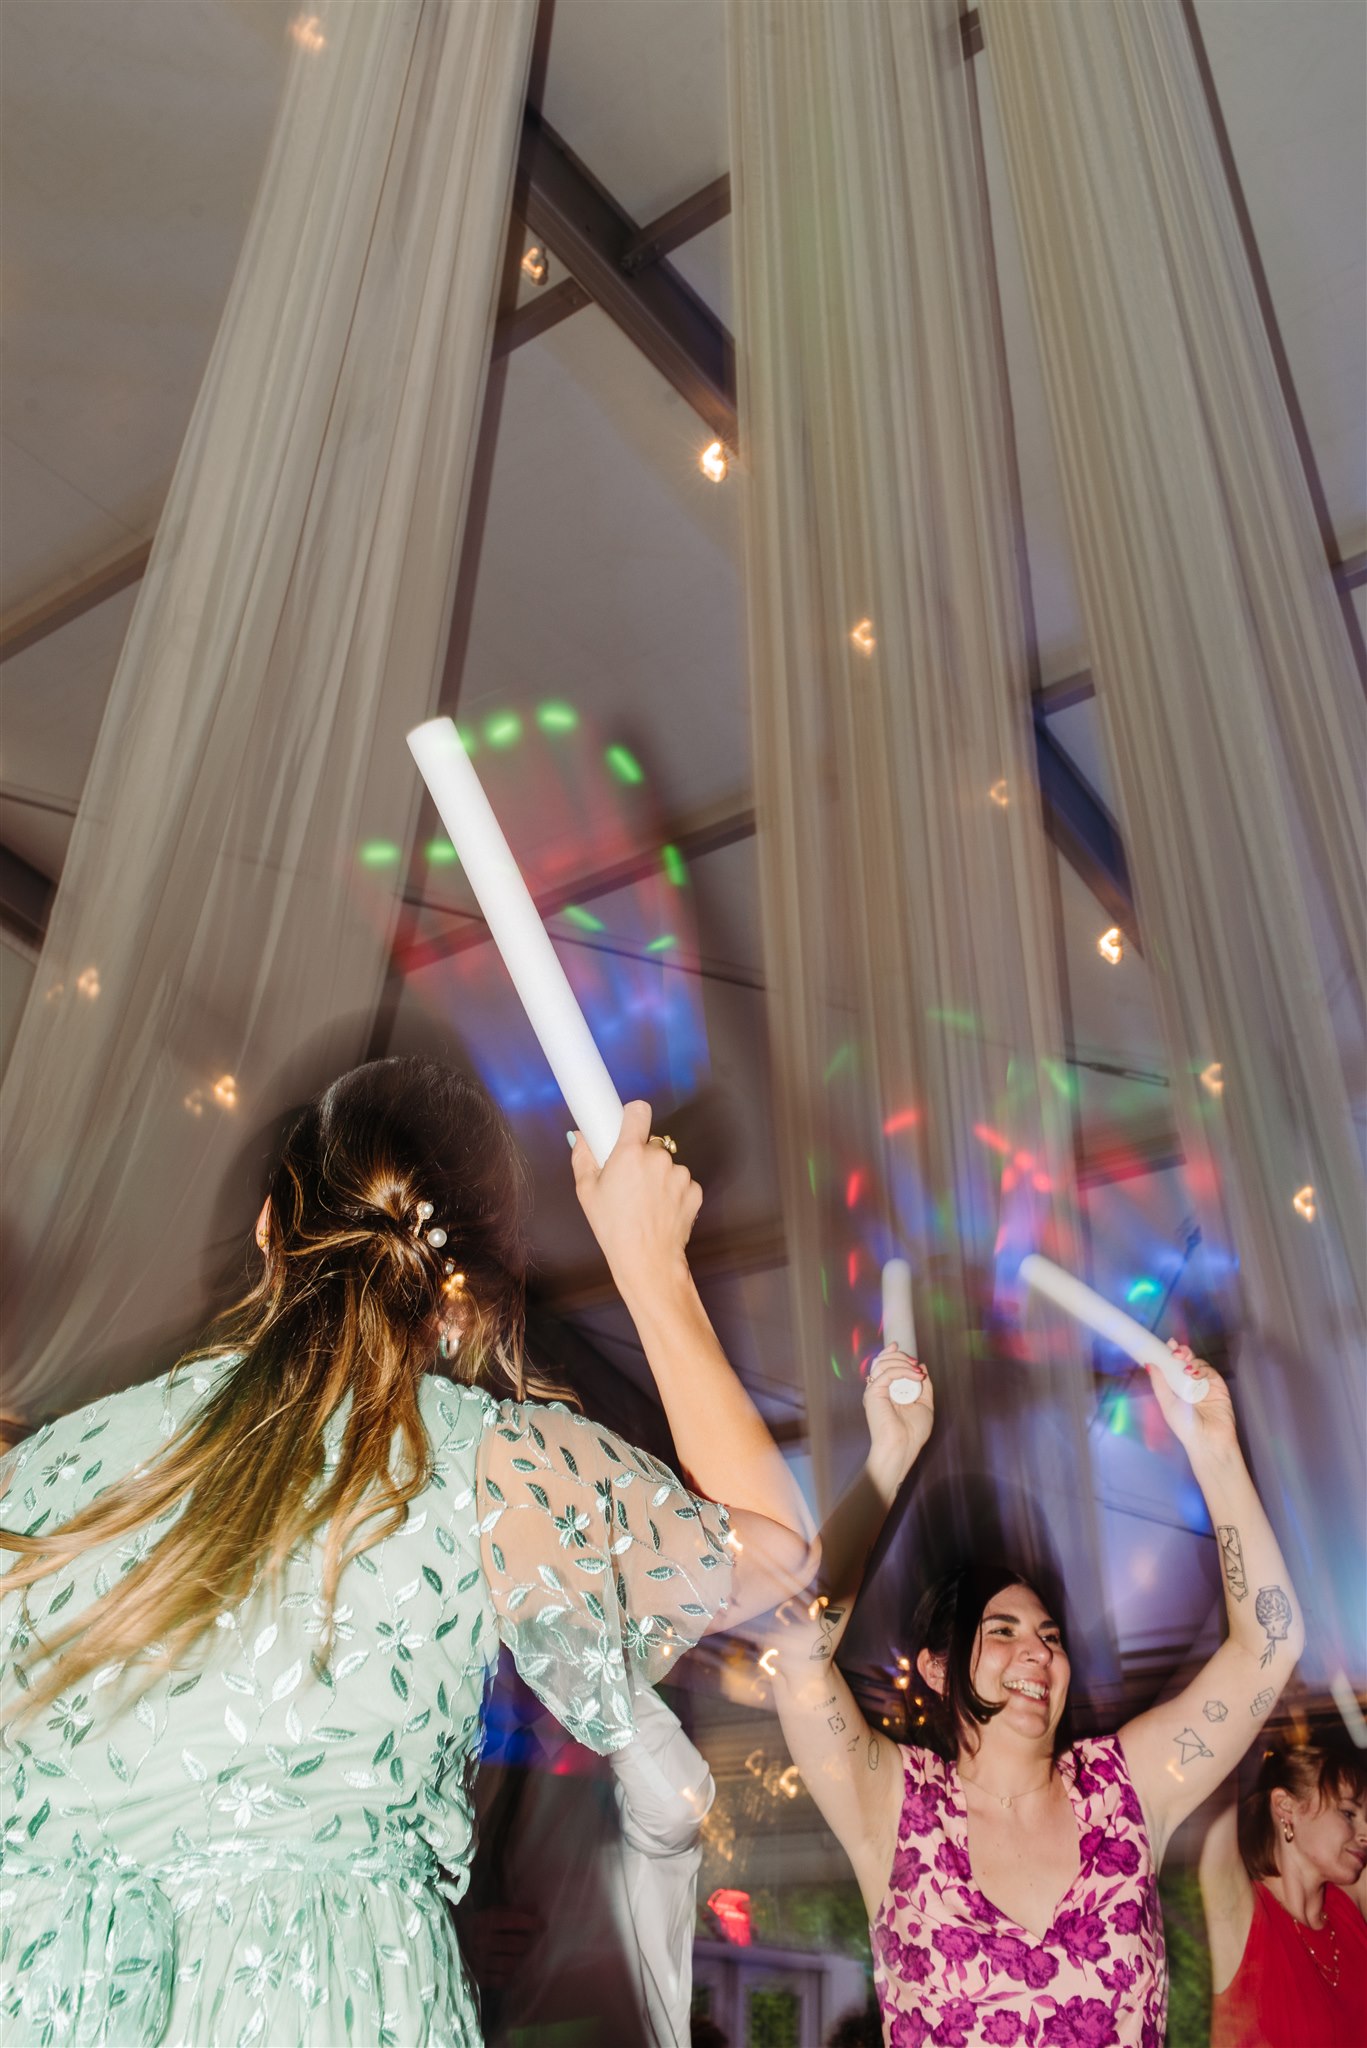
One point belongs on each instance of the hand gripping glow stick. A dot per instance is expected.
(519, 934)
(1086, 1306)
(899, 1326)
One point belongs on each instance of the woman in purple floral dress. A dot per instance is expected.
(1011, 1882)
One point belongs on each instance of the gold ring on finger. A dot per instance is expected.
(668, 1143)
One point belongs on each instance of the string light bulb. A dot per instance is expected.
(536, 264)
(999, 793)
(225, 1092)
(1111, 946)
(1213, 1078)
(88, 983)
(713, 462)
(861, 636)
(1303, 1202)
(307, 31)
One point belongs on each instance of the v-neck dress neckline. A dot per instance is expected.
(956, 1808)
(953, 1968)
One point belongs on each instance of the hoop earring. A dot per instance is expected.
(447, 1345)
(1288, 1832)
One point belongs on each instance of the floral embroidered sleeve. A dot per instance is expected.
(602, 1566)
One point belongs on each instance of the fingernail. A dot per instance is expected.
(570, 1138)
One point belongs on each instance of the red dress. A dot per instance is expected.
(1282, 1996)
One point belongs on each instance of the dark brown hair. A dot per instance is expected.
(947, 1623)
(1321, 1771)
(349, 1308)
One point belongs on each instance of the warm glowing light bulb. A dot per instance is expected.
(902, 1682)
(861, 636)
(1213, 1078)
(307, 31)
(999, 793)
(768, 1662)
(789, 1783)
(194, 1102)
(225, 1092)
(536, 265)
(88, 983)
(1303, 1202)
(1111, 945)
(713, 463)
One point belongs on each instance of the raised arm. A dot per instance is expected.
(850, 1769)
(1226, 1896)
(641, 1207)
(1179, 1751)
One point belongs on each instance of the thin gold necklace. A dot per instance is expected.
(1005, 1799)
(1305, 1933)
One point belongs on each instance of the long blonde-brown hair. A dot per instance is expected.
(351, 1305)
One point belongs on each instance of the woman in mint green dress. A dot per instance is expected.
(249, 1610)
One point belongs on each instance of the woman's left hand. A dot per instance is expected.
(1201, 1427)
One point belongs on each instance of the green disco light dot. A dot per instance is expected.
(672, 861)
(379, 853)
(663, 943)
(440, 853)
(624, 764)
(1143, 1290)
(557, 718)
(503, 729)
(1120, 1417)
(585, 919)
(467, 738)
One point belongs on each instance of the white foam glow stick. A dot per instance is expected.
(519, 934)
(1078, 1300)
(899, 1326)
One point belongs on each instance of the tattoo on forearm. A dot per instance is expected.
(1215, 1710)
(1272, 1612)
(828, 1622)
(1190, 1746)
(1263, 1702)
(873, 1752)
(1232, 1558)
(836, 1723)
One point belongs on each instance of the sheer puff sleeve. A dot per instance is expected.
(602, 1566)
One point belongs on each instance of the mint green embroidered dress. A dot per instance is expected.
(247, 1853)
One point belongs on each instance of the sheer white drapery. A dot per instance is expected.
(909, 943)
(212, 916)
(1230, 699)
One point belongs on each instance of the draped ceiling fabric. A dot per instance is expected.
(1232, 708)
(289, 630)
(910, 951)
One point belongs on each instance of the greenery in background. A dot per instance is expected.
(1188, 1962)
(773, 2019)
(826, 1919)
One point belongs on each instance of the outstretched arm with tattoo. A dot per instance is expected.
(1180, 1750)
(850, 1771)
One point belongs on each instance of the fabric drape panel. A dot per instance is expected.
(1231, 704)
(212, 918)
(908, 927)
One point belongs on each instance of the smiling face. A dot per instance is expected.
(1020, 1661)
(1329, 1834)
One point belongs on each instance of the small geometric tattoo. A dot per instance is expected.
(1215, 1710)
(1263, 1702)
(1190, 1746)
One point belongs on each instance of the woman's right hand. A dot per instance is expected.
(641, 1205)
(898, 1433)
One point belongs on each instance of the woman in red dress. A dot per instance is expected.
(1282, 1887)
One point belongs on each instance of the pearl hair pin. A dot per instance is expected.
(436, 1237)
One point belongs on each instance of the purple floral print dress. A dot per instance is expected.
(953, 1970)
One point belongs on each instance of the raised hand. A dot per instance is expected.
(1201, 1427)
(897, 1433)
(641, 1205)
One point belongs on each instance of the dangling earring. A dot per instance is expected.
(447, 1345)
(1288, 1832)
